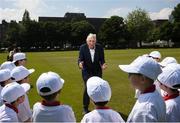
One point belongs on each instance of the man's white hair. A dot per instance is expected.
(91, 35)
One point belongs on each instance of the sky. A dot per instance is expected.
(14, 9)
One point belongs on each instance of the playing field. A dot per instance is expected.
(65, 64)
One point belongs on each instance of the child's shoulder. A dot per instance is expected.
(65, 107)
(37, 104)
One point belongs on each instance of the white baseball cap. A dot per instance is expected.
(170, 76)
(8, 65)
(143, 65)
(12, 91)
(98, 89)
(5, 74)
(19, 56)
(167, 60)
(155, 54)
(49, 80)
(20, 72)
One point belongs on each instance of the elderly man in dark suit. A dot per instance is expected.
(91, 61)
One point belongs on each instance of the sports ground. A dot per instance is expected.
(65, 64)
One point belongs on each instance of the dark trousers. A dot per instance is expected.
(86, 99)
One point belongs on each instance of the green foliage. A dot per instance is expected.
(139, 24)
(13, 34)
(153, 34)
(166, 31)
(26, 16)
(112, 32)
(176, 33)
(176, 13)
(79, 32)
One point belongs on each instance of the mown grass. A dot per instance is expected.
(65, 64)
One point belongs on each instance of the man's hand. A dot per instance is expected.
(81, 65)
(104, 66)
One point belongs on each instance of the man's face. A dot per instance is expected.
(91, 42)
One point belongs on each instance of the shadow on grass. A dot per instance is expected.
(123, 116)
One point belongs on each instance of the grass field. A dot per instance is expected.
(65, 64)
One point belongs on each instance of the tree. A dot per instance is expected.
(79, 32)
(176, 13)
(176, 34)
(166, 31)
(63, 34)
(153, 34)
(138, 24)
(13, 35)
(112, 32)
(26, 16)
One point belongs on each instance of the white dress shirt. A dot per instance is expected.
(92, 52)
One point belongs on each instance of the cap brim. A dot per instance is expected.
(62, 80)
(31, 70)
(14, 61)
(161, 64)
(26, 86)
(128, 69)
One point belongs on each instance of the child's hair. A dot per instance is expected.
(149, 79)
(175, 90)
(48, 97)
(16, 63)
(100, 103)
(2, 84)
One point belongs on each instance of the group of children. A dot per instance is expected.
(156, 85)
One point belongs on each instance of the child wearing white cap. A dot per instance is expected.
(13, 95)
(164, 63)
(149, 106)
(169, 81)
(20, 74)
(5, 78)
(7, 65)
(49, 86)
(100, 93)
(19, 59)
(156, 55)
(168, 60)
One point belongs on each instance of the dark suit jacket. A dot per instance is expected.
(91, 68)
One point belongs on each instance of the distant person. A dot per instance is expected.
(169, 81)
(11, 53)
(156, 55)
(100, 93)
(149, 107)
(91, 61)
(49, 86)
(13, 95)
